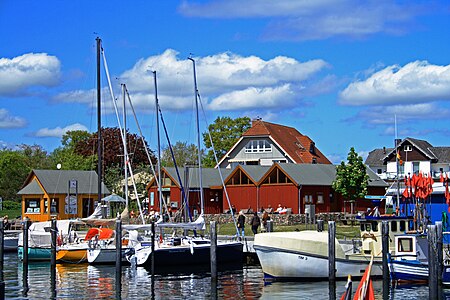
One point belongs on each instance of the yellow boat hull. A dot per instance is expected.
(71, 255)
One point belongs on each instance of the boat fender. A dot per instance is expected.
(58, 240)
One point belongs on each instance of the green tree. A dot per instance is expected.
(37, 157)
(225, 132)
(183, 152)
(14, 169)
(351, 177)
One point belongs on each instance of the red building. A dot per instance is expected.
(298, 187)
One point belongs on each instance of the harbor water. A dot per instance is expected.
(82, 281)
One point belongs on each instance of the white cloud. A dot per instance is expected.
(416, 82)
(29, 70)
(9, 121)
(310, 20)
(221, 77)
(58, 131)
(281, 96)
(78, 96)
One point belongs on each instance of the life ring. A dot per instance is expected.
(369, 236)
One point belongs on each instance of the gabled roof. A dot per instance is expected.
(420, 145)
(210, 176)
(57, 182)
(378, 157)
(319, 175)
(300, 148)
(254, 172)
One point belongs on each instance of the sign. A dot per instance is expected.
(71, 206)
(73, 184)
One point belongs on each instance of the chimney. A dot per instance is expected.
(384, 150)
(312, 148)
(397, 142)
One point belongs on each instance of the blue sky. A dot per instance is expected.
(336, 70)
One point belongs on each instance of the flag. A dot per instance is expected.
(348, 289)
(400, 161)
(365, 288)
(406, 192)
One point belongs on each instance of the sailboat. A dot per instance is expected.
(182, 251)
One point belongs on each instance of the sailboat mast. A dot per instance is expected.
(200, 179)
(159, 145)
(125, 157)
(99, 130)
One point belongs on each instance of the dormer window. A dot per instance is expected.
(407, 148)
(258, 146)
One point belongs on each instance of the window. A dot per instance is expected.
(379, 171)
(394, 226)
(405, 245)
(308, 199)
(319, 198)
(374, 226)
(33, 206)
(401, 170)
(407, 148)
(402, 226)
(258, 146)
(54, 206)
(416, 165)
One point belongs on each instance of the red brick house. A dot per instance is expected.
(267, 143)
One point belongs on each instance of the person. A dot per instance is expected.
(279, 209)
(233, 209)
(270, 209)
(255, 222)
(283, 211)
(241, 224)
(132, 214)
(265, 218)
(262, 210)
(6, 224)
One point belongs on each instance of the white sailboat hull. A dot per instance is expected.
(304, 256)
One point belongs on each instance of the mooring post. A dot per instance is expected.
(119, 246)
(25, 227)
(153, 252)
(440, 254)
(213, 251)
(53, 234)
(2, 247)
(332, 259)
(319, 225)
(432, 259)
(385, 252)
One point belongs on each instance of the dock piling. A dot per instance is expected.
(432, 261)
(213, 251)
(332, 259)
(153, 252)
(2, 247)
(440, 253)
(53, 233)
(119, 246)
(25, 228)
(320, 225)
(385, 251)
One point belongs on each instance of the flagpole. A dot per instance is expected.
(396, 162)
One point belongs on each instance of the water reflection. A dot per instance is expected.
(82, 281)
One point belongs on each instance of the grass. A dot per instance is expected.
(12, 213)
(342, 231)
